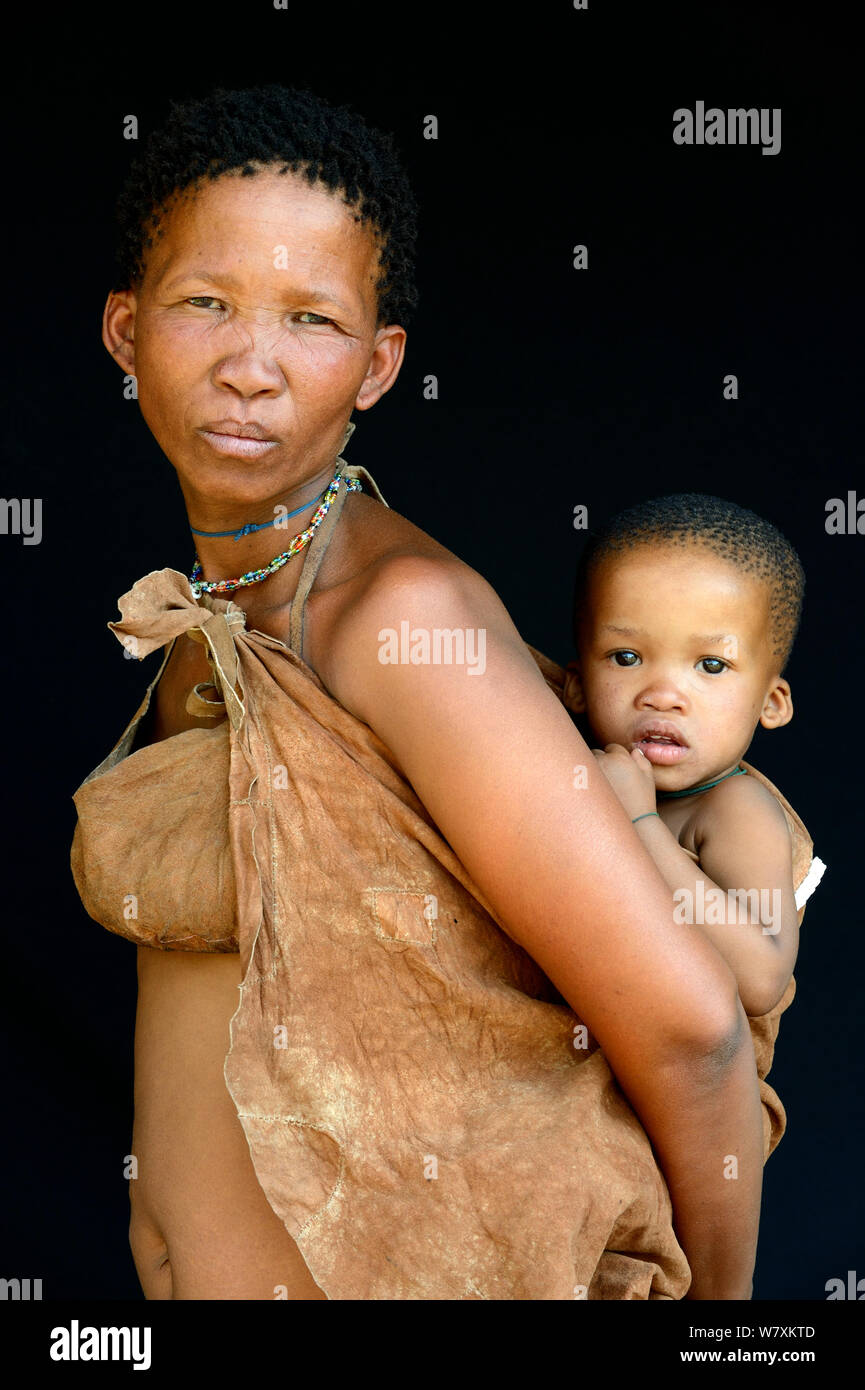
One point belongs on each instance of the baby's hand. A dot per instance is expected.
(630, 776)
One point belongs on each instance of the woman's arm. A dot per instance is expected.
(496, 760)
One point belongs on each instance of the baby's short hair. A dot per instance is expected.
(732, 532)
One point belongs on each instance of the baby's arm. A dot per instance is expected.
(744, 847)
(743, 842)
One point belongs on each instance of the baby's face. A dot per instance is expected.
(676, 658)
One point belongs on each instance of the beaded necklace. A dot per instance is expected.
(201, 586)
(692, 791)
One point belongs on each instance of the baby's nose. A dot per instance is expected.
(661, 695)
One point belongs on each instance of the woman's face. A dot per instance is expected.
(258, 305)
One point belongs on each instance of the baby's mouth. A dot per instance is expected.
(662, 744)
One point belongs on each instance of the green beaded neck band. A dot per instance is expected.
(201, 586)
(692, 791)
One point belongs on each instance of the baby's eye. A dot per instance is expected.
(308, 314)
(712, 665)
(628, 658)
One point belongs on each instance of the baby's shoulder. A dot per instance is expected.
(740, 802)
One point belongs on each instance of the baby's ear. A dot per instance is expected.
(572, 695)
(778, 705)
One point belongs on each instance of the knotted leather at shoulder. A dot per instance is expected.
(162, 606)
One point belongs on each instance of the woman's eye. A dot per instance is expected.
(625, 658)
(712, 665)
(204, 301)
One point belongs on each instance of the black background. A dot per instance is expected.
(556, 387)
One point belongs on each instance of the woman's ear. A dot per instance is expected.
(778, 705)
(118, 328)
(572, 695)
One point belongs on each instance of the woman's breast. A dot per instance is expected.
(151, 854)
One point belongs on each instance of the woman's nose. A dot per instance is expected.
(249, 373)
(249, 366)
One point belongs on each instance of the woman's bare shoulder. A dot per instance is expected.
(390, 572)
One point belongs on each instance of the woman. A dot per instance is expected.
(305, 741)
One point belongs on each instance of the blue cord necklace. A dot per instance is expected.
(692, 791)
(251, 526)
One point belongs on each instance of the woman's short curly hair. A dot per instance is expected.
(273, 125)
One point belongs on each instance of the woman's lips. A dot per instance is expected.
(660, 751)
(238, 446)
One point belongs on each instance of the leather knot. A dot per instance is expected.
(161, 606)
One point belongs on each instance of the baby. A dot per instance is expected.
(685, 615)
